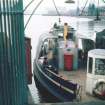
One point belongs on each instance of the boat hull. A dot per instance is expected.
(53, 88)
(45, 95)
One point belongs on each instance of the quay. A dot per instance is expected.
(71, 103)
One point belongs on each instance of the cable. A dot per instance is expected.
(33, 13)
(84, 7)
(56, 10)
(28, 5)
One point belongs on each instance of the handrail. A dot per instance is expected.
(55, 82)
(61, 80)
(58, 80)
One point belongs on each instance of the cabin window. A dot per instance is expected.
(90, 65)
(99, 66)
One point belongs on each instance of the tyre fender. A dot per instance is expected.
(97, 84)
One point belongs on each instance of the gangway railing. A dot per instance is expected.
(73, 88)
(13, 83)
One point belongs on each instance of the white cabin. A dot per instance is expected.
(95, 71)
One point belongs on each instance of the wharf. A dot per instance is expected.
(76, 103)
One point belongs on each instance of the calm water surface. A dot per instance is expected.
(41, 24)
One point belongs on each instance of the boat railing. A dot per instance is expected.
(73, 88)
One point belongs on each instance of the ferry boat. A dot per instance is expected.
(57, 50)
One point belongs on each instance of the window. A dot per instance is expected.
(99, 66)
(90, 65)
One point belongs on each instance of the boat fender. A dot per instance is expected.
(97, 91)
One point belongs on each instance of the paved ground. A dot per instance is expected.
(33, 96)
(79, 77)
(83, 103)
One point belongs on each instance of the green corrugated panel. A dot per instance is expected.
(13, 84)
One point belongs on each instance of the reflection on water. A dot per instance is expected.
(41, 24)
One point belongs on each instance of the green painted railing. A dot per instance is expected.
(13, 83)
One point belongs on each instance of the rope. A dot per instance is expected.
(33, 13)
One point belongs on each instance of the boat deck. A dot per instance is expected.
(78, 76)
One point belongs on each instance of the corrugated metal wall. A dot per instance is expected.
(13, 85)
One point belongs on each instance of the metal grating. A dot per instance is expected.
(13, 84)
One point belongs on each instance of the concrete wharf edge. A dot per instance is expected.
(74, 103)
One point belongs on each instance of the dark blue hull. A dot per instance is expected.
(45, 95)
(54, 84)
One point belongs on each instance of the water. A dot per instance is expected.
(41, 24)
